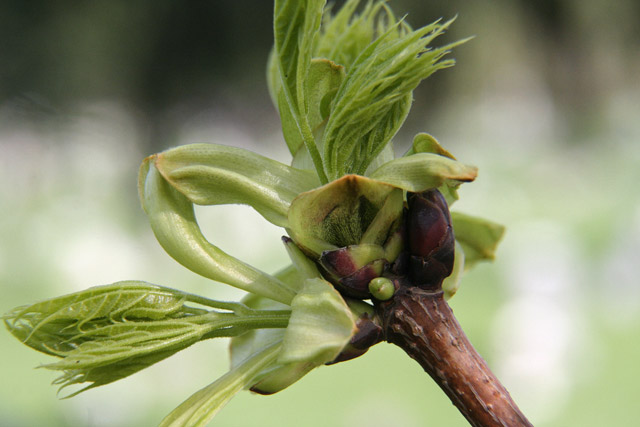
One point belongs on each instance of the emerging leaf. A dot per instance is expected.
(296, 23)
(346, 34)
(376, 95)
(323, 80)
(106, 333)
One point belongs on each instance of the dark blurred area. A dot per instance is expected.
(152, 56)
(158, 56)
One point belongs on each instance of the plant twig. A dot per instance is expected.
(423, 325)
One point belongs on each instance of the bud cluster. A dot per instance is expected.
(423, 253)
(395, 243)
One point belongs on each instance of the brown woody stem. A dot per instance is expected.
(423, 325)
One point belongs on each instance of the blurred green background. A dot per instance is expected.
(545, 101)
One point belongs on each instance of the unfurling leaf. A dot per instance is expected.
(296, 23)
(375, 97)
(109, 332)
(173, 222)
(323, 80)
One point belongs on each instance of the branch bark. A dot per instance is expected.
(423, 325)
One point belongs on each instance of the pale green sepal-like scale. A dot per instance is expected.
(306, 268)
(213, 174)
(425, 143)
(281, 377)
(321, 325)
(478, 237)
(173, 221)
(275, 376)
(388, 215)
(423, 171)
(337, 214)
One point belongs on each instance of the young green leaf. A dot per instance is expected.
(173, 222)
(109, 332)
(323, 80)
(346, 34)
(57, 326)
(376, 95)
(296, 23)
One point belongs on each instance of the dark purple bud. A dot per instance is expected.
(431, 242)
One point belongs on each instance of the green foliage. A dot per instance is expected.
(362, 110)
(296, 23)
(106, 333)
(376, 96)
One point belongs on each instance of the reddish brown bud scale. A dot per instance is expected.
(428, 221)
(356, 285)
(431, 243)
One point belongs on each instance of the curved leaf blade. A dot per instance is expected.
(174, 224)
(212, 174)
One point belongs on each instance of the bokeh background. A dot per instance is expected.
(545, 101)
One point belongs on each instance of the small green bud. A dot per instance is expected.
(381, 288)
